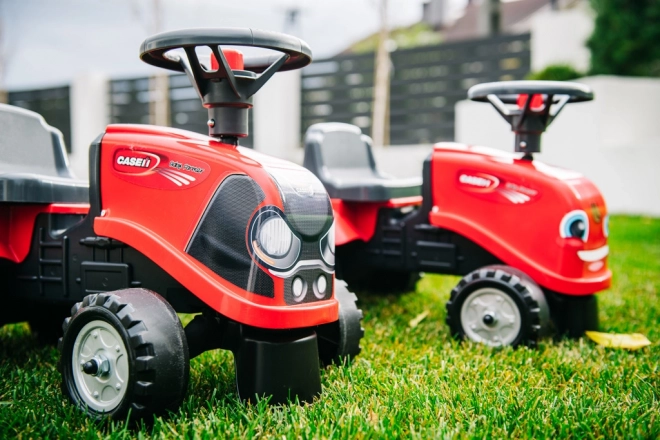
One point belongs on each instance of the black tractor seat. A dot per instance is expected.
(341, 157)
(33, 161)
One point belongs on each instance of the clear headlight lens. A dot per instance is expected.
(273, 241)
(275, 237)
(328, 246)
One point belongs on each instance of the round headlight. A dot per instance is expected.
(275, 237)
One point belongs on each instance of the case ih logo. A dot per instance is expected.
(135, 162)
(478, 181)
(496, 189)
(157, 170)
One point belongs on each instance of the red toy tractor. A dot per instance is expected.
(530, 239)
(242, 239)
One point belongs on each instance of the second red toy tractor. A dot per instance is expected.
(173, 221)
(529, 239)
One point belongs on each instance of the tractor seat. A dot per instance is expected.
(33, 162)
(341, 157)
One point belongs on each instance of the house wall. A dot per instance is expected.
(559, 37)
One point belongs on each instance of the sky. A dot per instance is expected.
(48, 42)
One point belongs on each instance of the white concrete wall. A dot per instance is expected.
(402, 160)
(613, 140)
(559, 37)
(89, 117)
(276, 114)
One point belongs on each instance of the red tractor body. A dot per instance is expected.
(511, 207)
(530, 239)
(178, 184)
(514, 208)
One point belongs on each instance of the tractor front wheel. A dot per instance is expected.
(339, 341)
(124, 351)
(498, 306)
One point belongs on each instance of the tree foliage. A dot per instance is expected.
(626, 38)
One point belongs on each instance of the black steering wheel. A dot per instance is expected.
(225, 89)
(160, 51)
(508, 91)
(296, 53)
(537, 104)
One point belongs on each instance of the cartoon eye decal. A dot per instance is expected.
(575, 224)
(606, 226)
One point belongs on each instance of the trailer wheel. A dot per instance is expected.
(339, 341)
(124, 351)
(498, 306)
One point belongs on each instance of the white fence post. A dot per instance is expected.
(89, 117)
(276, 114)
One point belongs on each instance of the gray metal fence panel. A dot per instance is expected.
(426, 83)
(53, 104)
(130, 98)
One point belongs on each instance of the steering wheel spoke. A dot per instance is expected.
(224, 71)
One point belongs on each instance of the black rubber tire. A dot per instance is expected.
(572, 315)
(156, 346)
(381, 281)
(46, 324)
(513, 283)
(339, 341)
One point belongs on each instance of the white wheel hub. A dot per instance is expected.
(100, 366)
(490, 316)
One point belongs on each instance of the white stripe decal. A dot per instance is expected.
(180, 174)
(171, 179)
(174, 176)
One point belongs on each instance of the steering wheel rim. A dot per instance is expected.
(154, 48)
(508, 91)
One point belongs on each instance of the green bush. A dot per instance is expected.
(556, 72)
(626, 38)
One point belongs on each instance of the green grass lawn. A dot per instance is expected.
(412, 382)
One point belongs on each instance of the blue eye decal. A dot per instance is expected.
(606, 226)
(575, 224)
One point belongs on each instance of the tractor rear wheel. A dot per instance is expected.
(498, 306)
(124, 351)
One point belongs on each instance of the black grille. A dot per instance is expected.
(219, 241)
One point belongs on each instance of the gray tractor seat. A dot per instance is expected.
(33, 161)
(341, 157)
